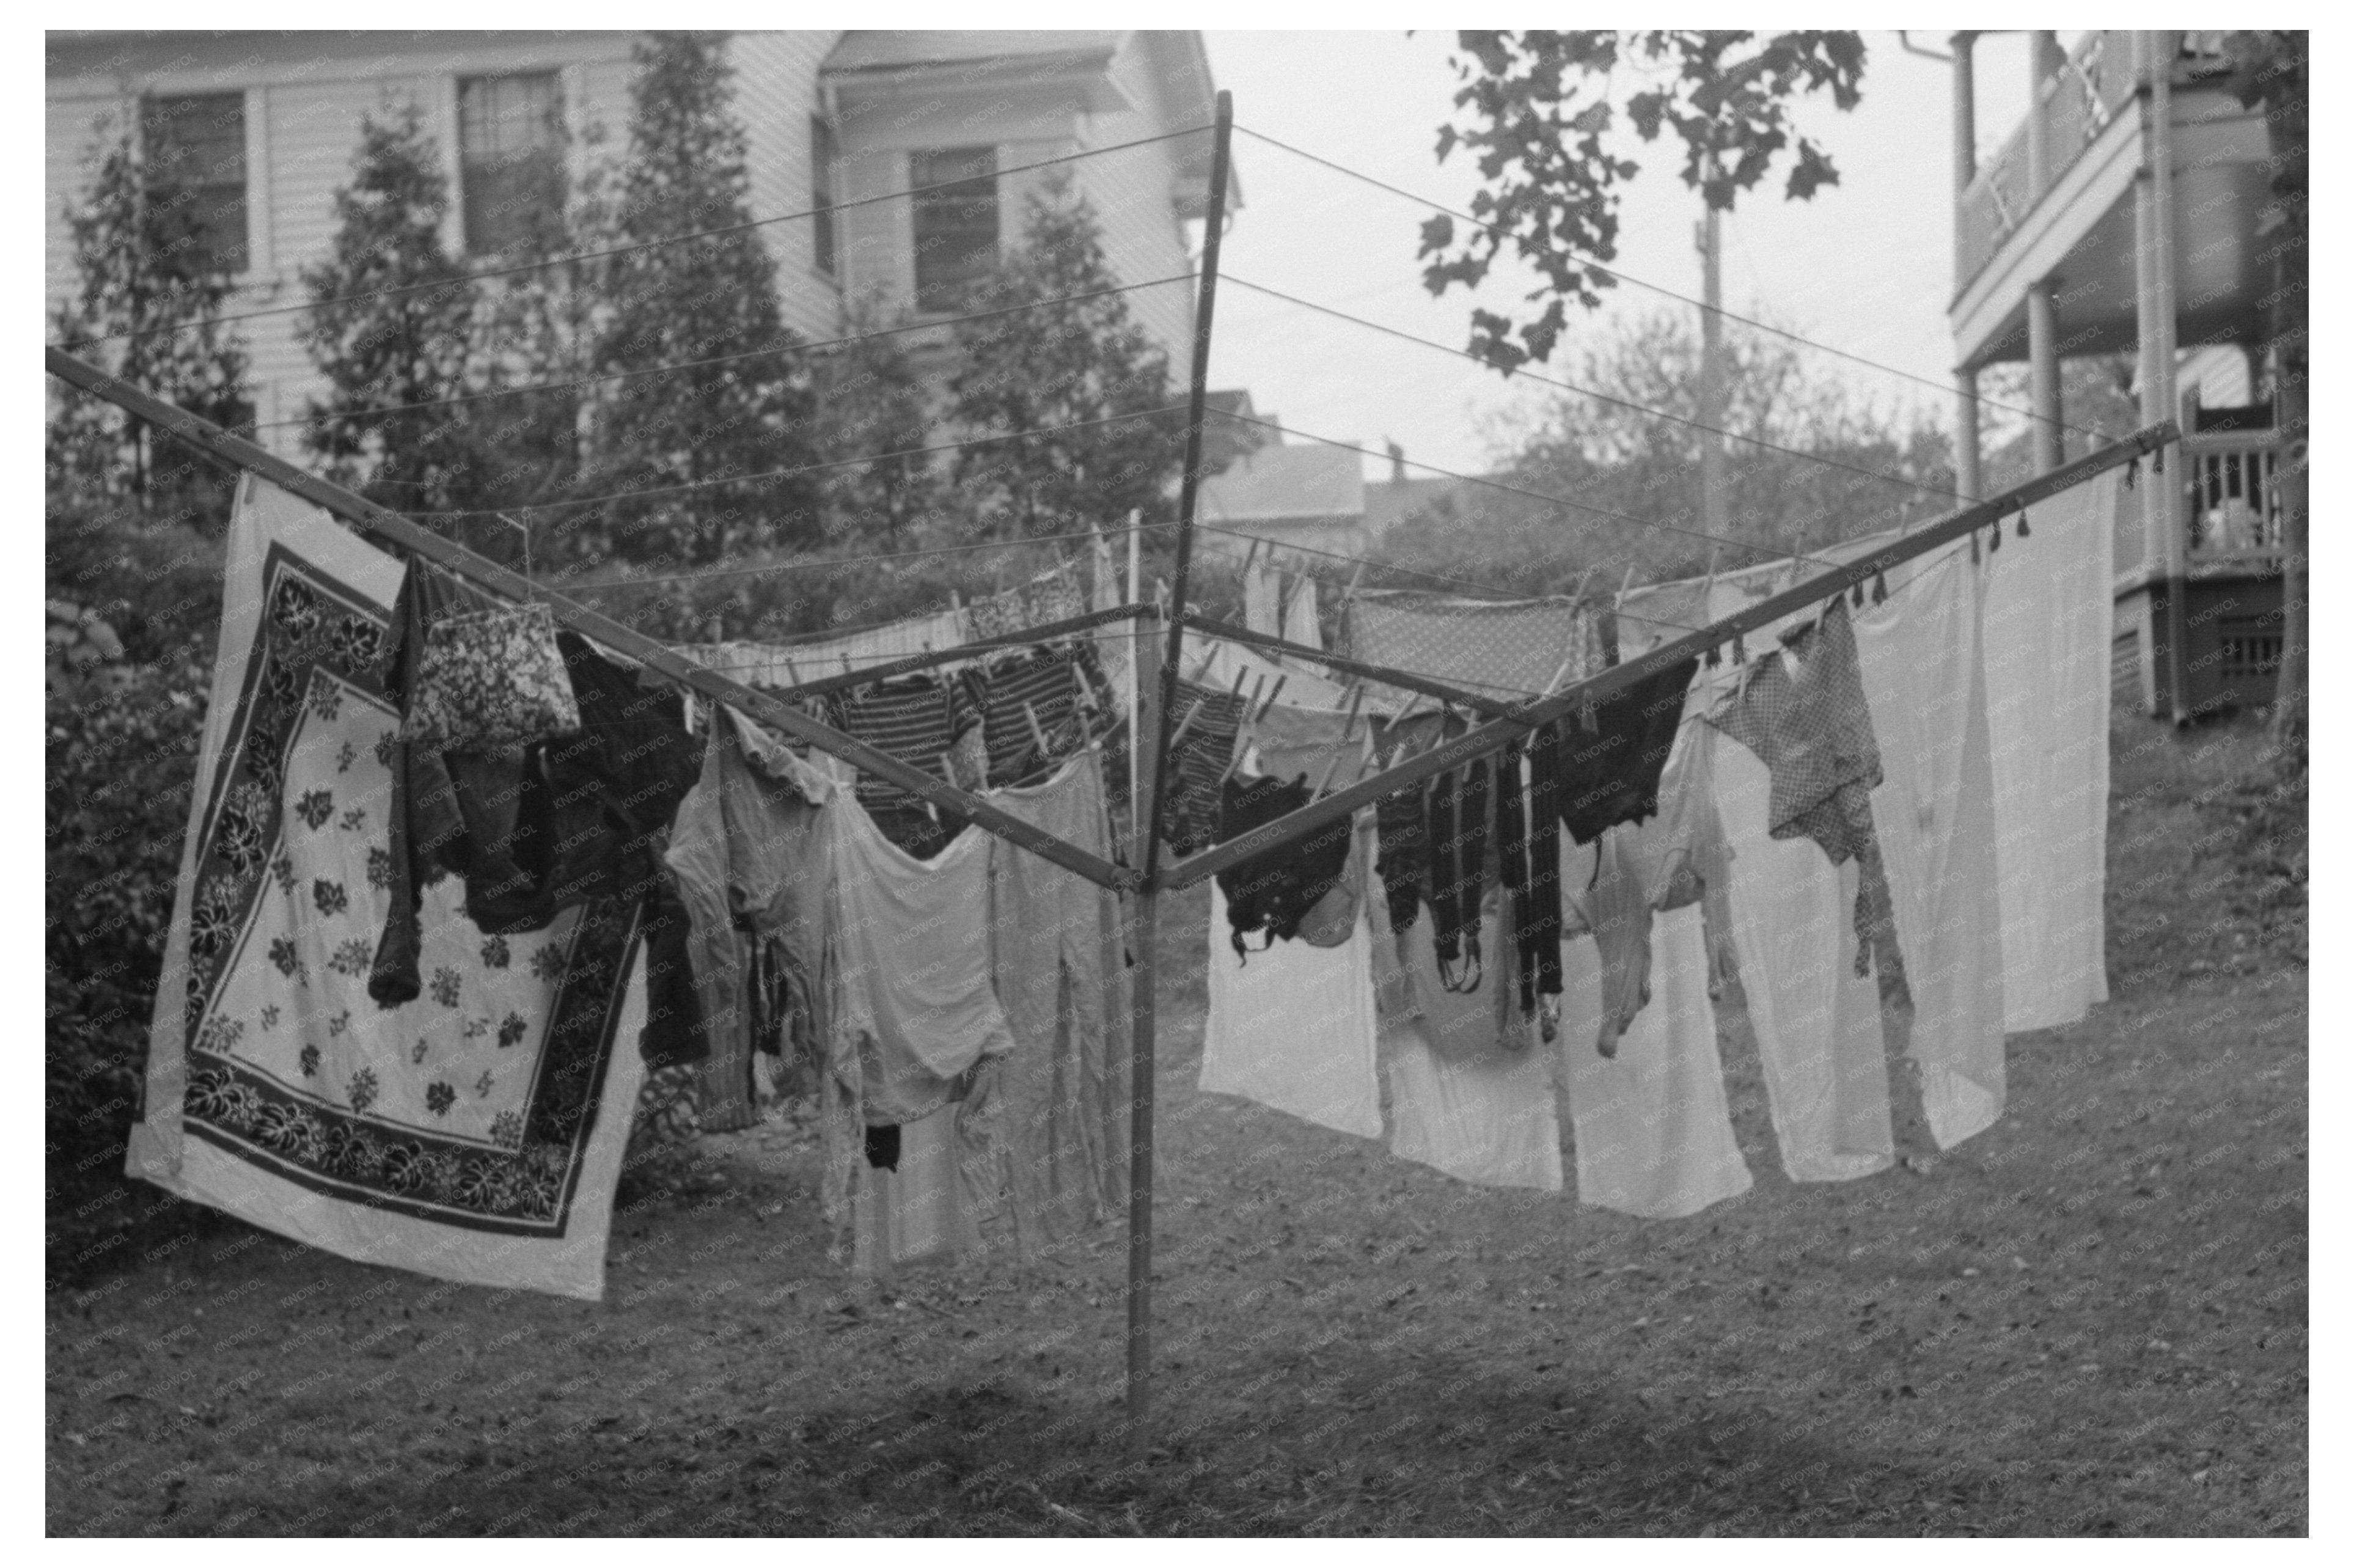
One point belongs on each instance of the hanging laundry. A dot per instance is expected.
(1301, 624)
(1402, 818)
(922, 720)
(1459, 871)
(1046, 682)
(1499, 648)
(1263, 598)
(743, 851)
(1295, 1029)
(1196, 763)
(1652, 1132)
(778, 665)
(473, 1133)
(2046, 646)
(1326, 751)
(919, 1206)
(915, 993)
(1051, 1111)
(1277, 891)
(490, 681)
(1528, 847)
(1801, 710)
(1922, 677)
(1467, 1095)
(1051, 596)
(1610, 774)
(1816, 1021)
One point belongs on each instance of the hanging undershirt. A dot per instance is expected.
(914, 972)
(1275, 893)
(1936, 813)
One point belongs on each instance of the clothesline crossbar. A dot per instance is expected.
(913, 663)
(1491, 736)
(1405, 680)
(488, 574)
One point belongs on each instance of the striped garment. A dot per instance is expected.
(917, 721)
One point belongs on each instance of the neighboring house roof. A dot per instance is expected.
(1282, 484)
(1390, 504)
(899, 50)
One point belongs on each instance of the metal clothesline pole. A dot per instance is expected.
(1140, 1069)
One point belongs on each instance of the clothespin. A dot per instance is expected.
(524, 529)
(1037, 730)
(2133, 469)
(1257, 686)
(1279, 680)
(845, 664)
(1859, 585)
(1232, 763)
(1354, 577)
(1739, 650)
(1241, 670)
(1349, 726)
(1178, 735)
(1585, 720)
(1994, 538)
(1974, 547)
(2022, 522)
(1326, 782)
(792, 673)
(1879, 586)
(1577, 594)
(2158, 460)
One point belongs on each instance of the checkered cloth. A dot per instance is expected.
(1517, 648)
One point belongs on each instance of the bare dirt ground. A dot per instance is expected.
(2091, 1319)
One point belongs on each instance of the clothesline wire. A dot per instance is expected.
(808, 467)
(1657, 289)
(1599, 397)
(815, 564)
(1773, 550)
(364, 417)
(577, 258)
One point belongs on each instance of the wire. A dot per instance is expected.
(808, 467)
(1590, 392)
(386, 412)
(1534, 494)
(1638, 283)
(816, 563)
(572, 260)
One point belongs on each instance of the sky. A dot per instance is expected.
(1865, 267)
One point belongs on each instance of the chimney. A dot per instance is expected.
(1397, 461)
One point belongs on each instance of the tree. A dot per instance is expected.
(1539, 115)
(391, 324)
(147, 309)
(1628, 461)
(676, 304)
(873, 397)
(2274, 70)
(1063, 364)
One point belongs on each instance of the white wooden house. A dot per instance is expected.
(269, 123)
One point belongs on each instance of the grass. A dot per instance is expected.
(2091, 1319)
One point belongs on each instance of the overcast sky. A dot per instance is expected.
(1866, 266)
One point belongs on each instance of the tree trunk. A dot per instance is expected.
(2284, 93)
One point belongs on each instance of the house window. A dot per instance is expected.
(510, 160)
(195, 164)
(955, 224)
(821, 157)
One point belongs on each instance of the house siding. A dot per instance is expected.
(776, 94)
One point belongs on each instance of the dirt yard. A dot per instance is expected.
(2090, 1320)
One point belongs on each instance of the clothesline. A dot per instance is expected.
(1623, 277)
(930, 324)
(576, 258)
(1526, 373)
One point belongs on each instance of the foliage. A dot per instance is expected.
(871, 396)
(681, 303)
(2274, 70)
(1540, 118)
(1626, 459)
(1067, 365)
(406, 341)
(121, 750)
(146, 309)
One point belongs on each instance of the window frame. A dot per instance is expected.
(503, 170)
(947, 296)
(153, 125)
(825, 235)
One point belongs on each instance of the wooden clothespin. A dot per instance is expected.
(1325, 783)
(1708, 597)
(1178, 735)
(1241, 671)
(792, 673)
(1624, 584)
(1354, 579)
(1037, 730)
(845, 664)
(1356, 698)
(1279, 680)
(2022, 522)
(1994, 538)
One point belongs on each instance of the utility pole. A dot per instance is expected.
(1713, 510)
